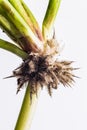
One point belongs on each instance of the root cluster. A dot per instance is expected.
(40, 70)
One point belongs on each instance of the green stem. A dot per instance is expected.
(30, 41)
(9, 28)
(33, 20)
(13, 48)
(49, 18)
(22, 12)
(26, 112)
(27, 15)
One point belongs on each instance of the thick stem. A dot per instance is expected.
(13, 48)
(26, 112)
(49, 18)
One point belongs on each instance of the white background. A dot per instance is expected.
(67, 109)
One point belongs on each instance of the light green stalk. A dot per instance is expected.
(22, 12)
(9, 28)
(27, 15)
(49, 18)
(13, 48)
(30, 40)
(27, 111)
(33, 19)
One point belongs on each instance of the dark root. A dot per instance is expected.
(41, 70)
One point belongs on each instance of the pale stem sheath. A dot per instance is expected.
(49, 18)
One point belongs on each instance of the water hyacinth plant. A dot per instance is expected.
(40, 67)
